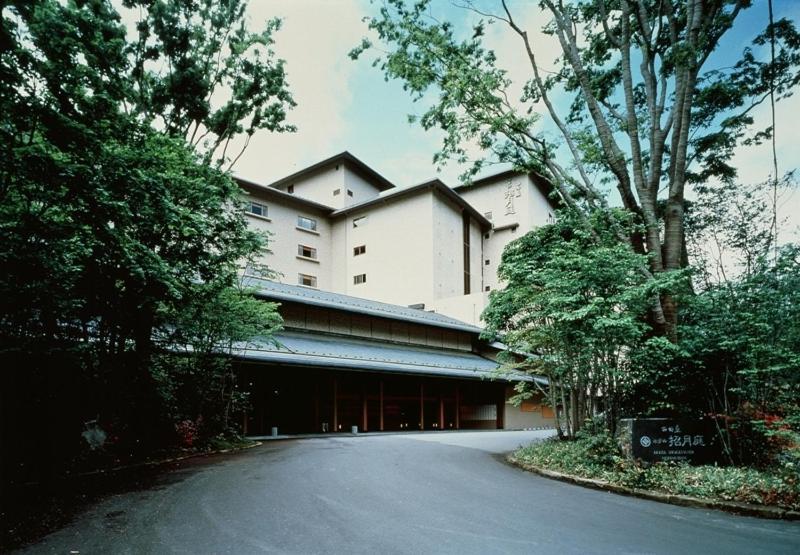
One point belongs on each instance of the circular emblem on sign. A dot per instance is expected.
(645, 441)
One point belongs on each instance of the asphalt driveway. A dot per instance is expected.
(415, 493)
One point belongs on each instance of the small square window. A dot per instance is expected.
(361, 221)
(360, 278)
(336, 192)
(307, 252)
(485, 235)
(307, 280)
(349, 193)
(361, 249)
(487, 262)
(306, 223)
(290, 189)
(487, 288)
(257, 209)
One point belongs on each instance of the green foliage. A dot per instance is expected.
(597, 457)
(115, 231)
(198, 72)
(577, 299)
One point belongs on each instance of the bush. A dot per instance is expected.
(597, 457)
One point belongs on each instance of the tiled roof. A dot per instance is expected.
(322, 350)
(306, 295)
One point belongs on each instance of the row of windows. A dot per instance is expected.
(311, 281)
(303, 222)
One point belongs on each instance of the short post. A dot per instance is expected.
(274, 431)
(354, 429)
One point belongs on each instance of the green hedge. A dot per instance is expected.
(597, 457)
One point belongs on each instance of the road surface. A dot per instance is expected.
(414, 493)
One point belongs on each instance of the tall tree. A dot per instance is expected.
(112, 224)
(646, 113)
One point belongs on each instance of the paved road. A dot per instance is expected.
(423, 493)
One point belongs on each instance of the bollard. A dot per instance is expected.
(354, 429)
(274, 431)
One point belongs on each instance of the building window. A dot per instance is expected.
(336, 192)
(306, 223)
(487, 288)
(307, 280)
(361, 221)
(257, 208)
(487, 215)
(485, 235)
(487, 262)
(306, 252)
(349, 193)
(290, 189)
(361, 249)
(360, 278)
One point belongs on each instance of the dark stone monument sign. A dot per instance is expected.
(666, 439)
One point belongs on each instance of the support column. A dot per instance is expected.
(381, 405)
(441, 412)
(421, 406)
(458, 407)
(335, 406)
(317, 424)
(363, 409)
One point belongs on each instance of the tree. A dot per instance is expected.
(112, 224)
(575, 299)
(199, 73)
(646, 113)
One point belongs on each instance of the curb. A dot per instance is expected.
(745, 509)
(159, 462)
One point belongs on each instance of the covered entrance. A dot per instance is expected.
(318, 400)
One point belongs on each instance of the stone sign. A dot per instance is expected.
(665, 439)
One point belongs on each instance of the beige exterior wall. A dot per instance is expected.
(531, 414)
(320, 187)
(398, 261)
(514, 202)
(467, 308)
(414, 244)
(285, 237)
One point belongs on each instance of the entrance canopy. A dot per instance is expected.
(323, 350)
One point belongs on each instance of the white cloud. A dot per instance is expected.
(314, 40)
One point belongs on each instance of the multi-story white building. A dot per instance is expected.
(339, 226)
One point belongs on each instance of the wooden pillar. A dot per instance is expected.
(458, 407)
(363, 409)
(317, 423)
(421, 406)
(441, 412)
(335, 406)
(380, 399)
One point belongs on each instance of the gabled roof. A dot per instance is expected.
(345, 158)
(542, 183)
(434, 184)
(286, 197)
(305, 295)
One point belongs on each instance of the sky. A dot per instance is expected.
(347, 105)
